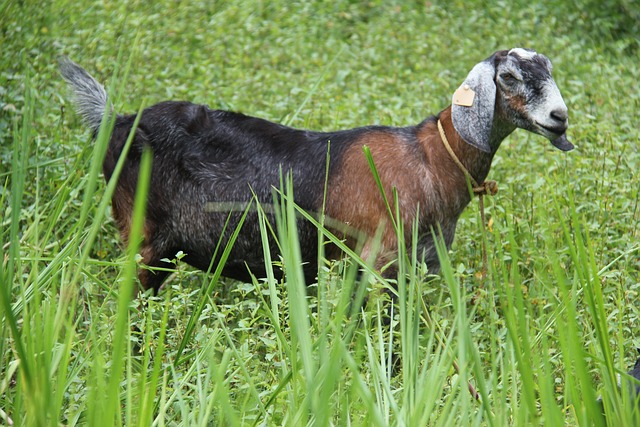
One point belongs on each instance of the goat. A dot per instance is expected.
(632, 385)
(203, 156)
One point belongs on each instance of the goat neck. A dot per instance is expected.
(477, 162)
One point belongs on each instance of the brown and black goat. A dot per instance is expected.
(203, 157)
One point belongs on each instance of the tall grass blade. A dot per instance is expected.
(125, 293)
(195, 316)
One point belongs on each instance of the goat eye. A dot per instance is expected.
(508, 78)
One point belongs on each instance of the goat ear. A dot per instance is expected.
(472, 114)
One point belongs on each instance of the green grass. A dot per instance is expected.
(547, 331)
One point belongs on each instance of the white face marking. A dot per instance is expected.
(552, 101)
(523, 53)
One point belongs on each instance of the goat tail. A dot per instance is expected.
(88, 95)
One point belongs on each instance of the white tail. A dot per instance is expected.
(89, 95)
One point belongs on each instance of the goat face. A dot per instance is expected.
(513, 89)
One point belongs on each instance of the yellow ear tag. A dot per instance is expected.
(464, 96)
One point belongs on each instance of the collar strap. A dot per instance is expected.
(486, 187)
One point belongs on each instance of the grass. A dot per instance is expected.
(545, 333)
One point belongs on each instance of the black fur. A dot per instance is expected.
(202, 157)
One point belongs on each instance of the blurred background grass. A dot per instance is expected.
(325, 65)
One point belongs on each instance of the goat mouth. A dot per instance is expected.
(557, 136)
(556, 131)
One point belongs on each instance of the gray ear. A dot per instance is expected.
(474, 122)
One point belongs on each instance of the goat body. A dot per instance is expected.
(203, 159)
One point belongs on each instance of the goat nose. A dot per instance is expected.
(560, 115)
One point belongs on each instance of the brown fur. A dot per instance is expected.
(122, 207)
(518, 103)
(354, 197)
(427, 181)
(448, 174)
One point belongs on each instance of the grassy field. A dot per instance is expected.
(547, 331)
